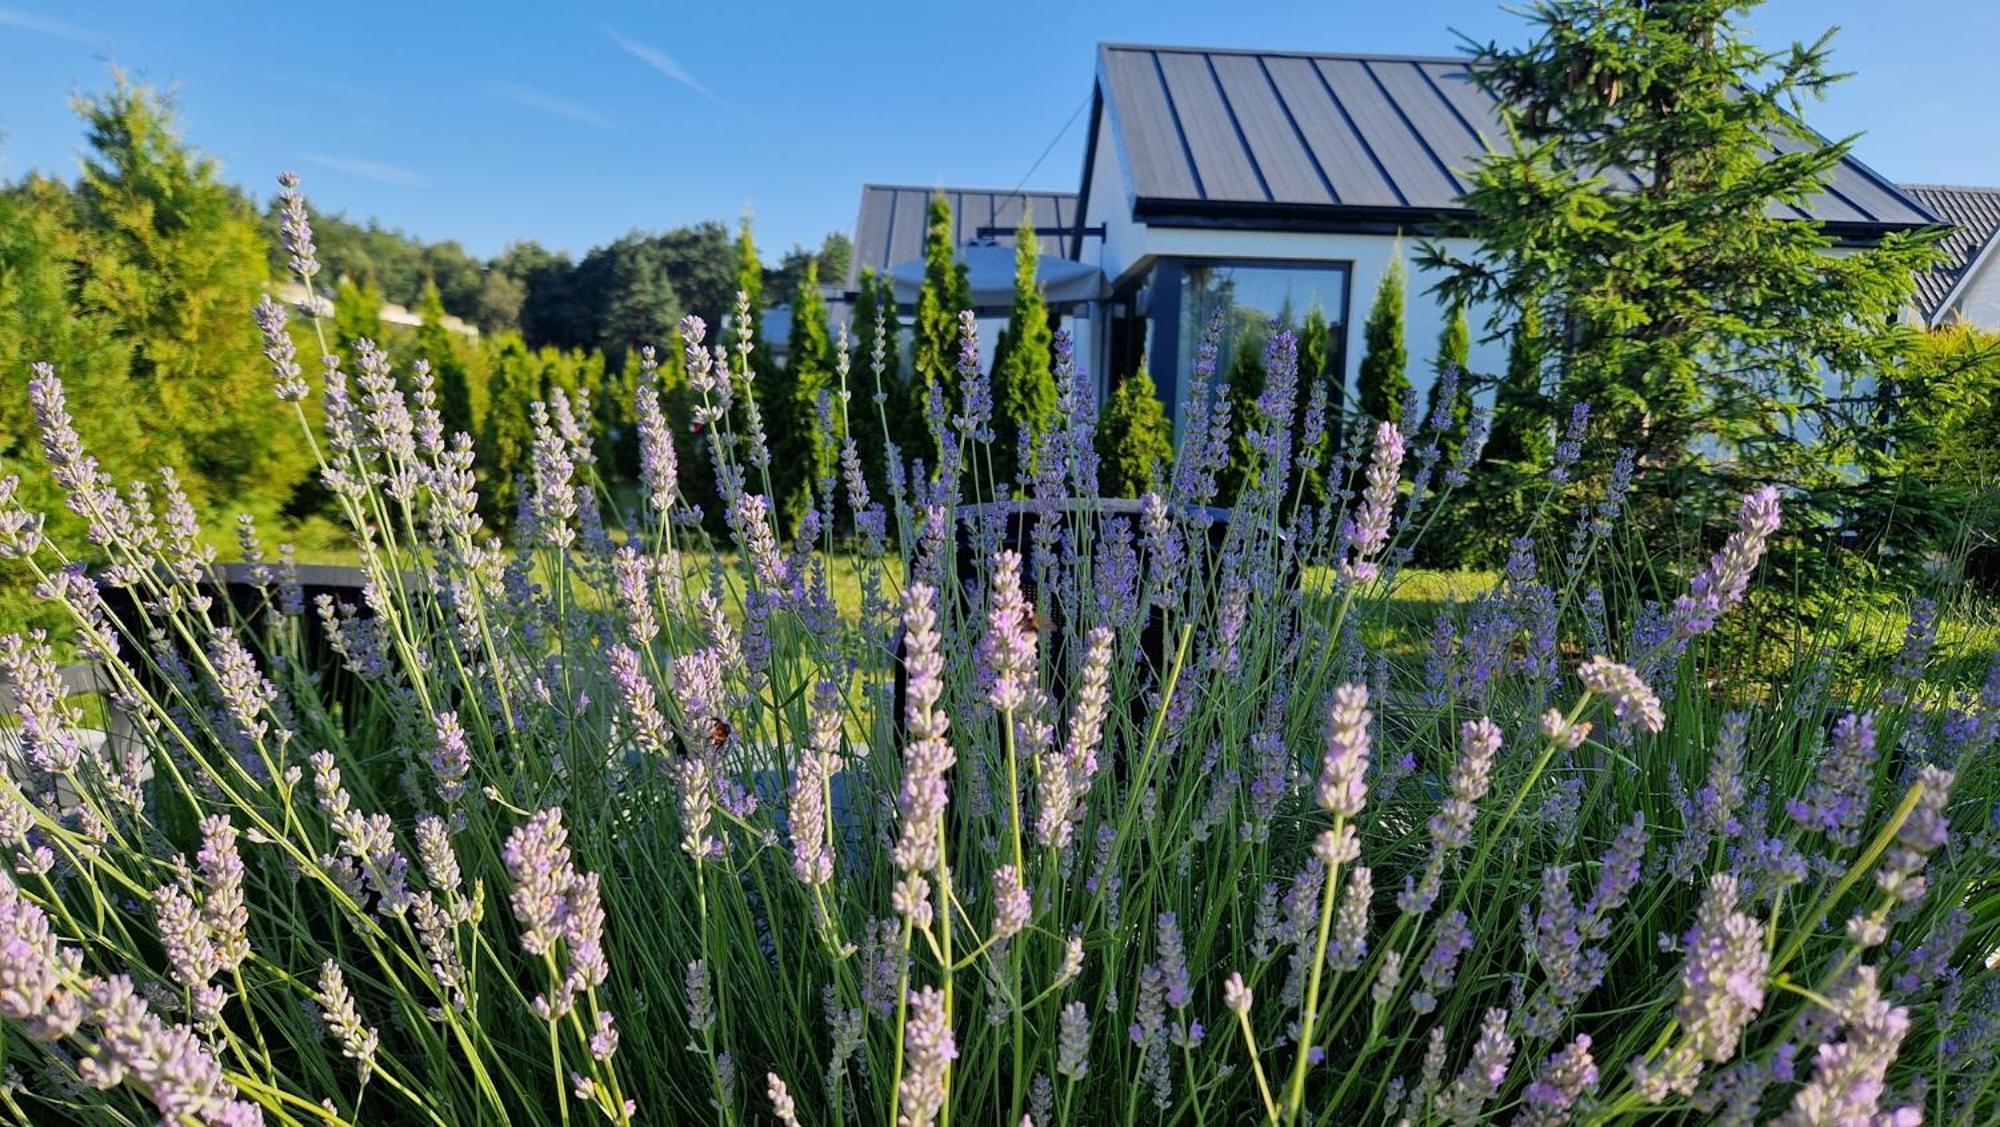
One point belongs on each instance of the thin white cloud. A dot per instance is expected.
(370, 170)
(661, 61)
(42, 25)
(541, 102)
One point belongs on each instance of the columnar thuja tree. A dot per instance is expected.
(1024, 389)
(1135, 441)
(802, 445)
(1711, 332)
(1384, 380)
(946, 292)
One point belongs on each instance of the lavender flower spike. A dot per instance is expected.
(1343, 783)
(1631, 700)
(1722, 583)
(931, 1051)
(1369, 528)
(1722, 991)
(919, 846)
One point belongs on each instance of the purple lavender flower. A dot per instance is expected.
(1369, 528)
(168, 1064)
(1847, 1081)
(1836, 802)
(927, 758)
(358, 1043)
(1631, 701)
(1919, 639)
(33, 966)
(1073, 1041)
(1722, 583)
(1722, 991)
(1483, 1074)
(1011, 907)
(1440, 966)
(537, 857)
(1343, 785)
(223, 909)
(280, 351)
(812, 851)
(1010, 636)
(659, 464)
(926, 1068)
(1451, 827)
(1348, 945)
(1571, 447)
(295, 228)
(1566, 1078)
(1924, 832)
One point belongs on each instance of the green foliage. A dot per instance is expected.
(1024, 386)
(1454, 351)
(519, 376)
(1243, 385)
(440, 346)
(397, 266)
(173, 259)
(946, 292)
(1714, 336)
(832, 261)
(1134, 438)
(1316, 368)
(1384, 379)
(357, 314)
(800, 451)
(890, 407)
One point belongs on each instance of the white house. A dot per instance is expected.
(1268, 183)
(1965, 287)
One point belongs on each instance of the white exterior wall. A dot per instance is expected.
(1978, 303)
(1128, 245)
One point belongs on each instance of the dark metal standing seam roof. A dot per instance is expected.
(890, 228)
(1365, 138)
(1974, 215)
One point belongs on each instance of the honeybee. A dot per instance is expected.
(719, 733)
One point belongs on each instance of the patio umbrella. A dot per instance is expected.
(989, 268)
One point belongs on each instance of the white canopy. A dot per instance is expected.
(989, 268)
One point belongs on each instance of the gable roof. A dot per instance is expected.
(1974, 215)
(1344, 140)
(890, 228)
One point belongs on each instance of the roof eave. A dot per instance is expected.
(1381, 219)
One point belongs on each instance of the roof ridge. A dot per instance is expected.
(1981, 188)
(1281, 52)
(948, 188)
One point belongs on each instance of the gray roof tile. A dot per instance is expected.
(1974, 215)
(1262, 128)
(890, 227)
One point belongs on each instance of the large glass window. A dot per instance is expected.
(1255, 300)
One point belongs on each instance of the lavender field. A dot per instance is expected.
(1083, 815)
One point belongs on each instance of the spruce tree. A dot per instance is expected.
(1707, 330)
(1384, 380)
(945, 293)
(1024, 387)
(1134, 439)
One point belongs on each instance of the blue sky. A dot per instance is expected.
(573, 124)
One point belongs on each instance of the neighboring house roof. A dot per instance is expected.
(890, 228)
(1350, 141)
(1974, 215)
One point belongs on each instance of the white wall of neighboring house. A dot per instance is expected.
(1129, 245)
(1978, 299)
